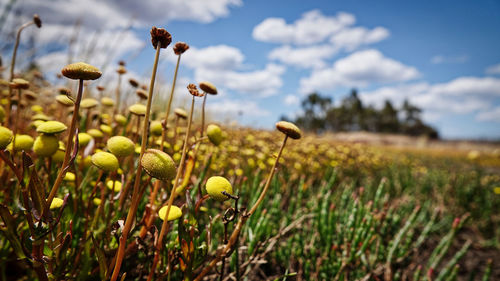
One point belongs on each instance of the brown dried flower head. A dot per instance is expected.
(194, 91)
(100, 88)
(160, 36)
(37, 20)
(180, 48)
(143, 95)
(121, 70)
(208, 88)
(19, 83)
(64, 91)
(133, 82)
(181, 113)
(30, 95)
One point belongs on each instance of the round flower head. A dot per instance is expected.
(2, 113)
(56, 203)
(120, 119)
(161, 37)
(81, 70)
(51, 127)
(107, 101)
(30, 95)
(84, 139)
(88, 103)
(133, 82)
(69, 176)
(19, 83)
(142, 94)
(64, 100)
(208, 88)
(216, 185)
(175, 213)
(37, 20)
(120, 146)
(95, 133)
(24, 142)
(158, 164)
(156, 128)
(121, 70)
(289, 129)
(40, 116)
(37, 108)
(105, 161)
(214, 134)
(117, 185)
(96, 201)
(180, 48)
(46, 145)
(106, 129)
(138, 109)
(194, 91)
(59, 155)
(181, 113)
(6, 136)
(64, 91)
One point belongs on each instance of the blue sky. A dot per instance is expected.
(265, 56)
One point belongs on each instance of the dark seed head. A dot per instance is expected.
(160, 36)
(180, 48)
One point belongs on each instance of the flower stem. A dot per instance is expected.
(12, 65)
(236, 232)
(135, 196)
(69, 146)
(164, 227)
(169, 106)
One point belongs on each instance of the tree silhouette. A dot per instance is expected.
(319, 115)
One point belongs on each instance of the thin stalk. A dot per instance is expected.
(269, 178)
(169, 106)
(16, 123)
(12, 64)
(117, 108)
(164, 227)
(135, 196)
(69, 146)
(203, 115)
(236, 232)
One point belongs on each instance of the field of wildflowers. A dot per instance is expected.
(96, 186)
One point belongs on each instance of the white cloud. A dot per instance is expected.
(351, 38)
(440, 59)
(259, 83)
(494, 69)
(100, 52)
(463, 95)
(226, 108)
(222, 65)
(306, 57)
(119, 13)
(100, 25)
(470, 86)
(358, 69)
(219, 57)
(491, 115)
(313, 27)
(291, 100)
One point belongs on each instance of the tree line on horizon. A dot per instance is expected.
(319, 115)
